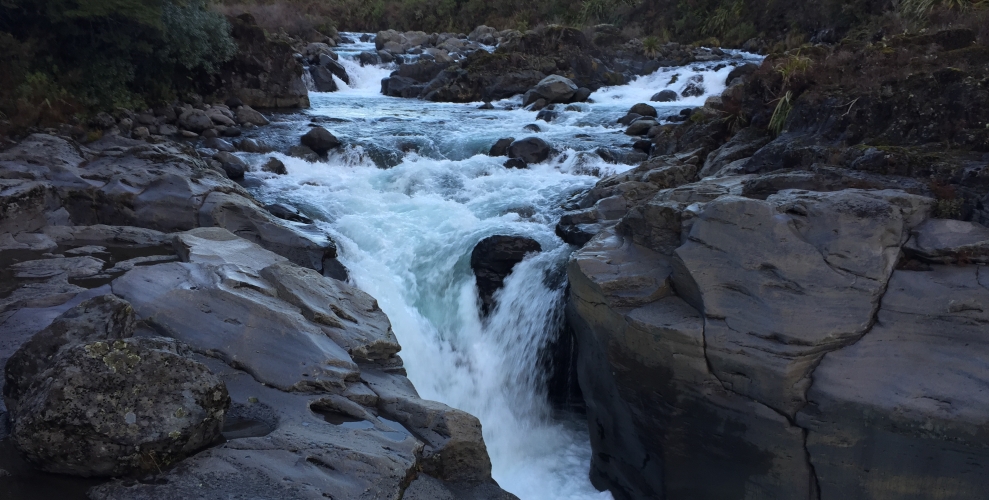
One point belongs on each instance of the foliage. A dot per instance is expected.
(781, 113)
(650, 46)
(791, 66)
(196, 37)
(100, 54)
(922, 8)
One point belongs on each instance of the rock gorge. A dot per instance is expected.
(768, 281)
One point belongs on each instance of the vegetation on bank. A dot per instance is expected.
(728, 22)
(67, 59)
(70, 57)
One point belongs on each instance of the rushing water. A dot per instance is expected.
(409, 197)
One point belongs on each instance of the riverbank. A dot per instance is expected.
(130, 245)
(768, 306)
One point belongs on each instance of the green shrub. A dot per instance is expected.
(650, 46)
(108, 53)
(196, 38)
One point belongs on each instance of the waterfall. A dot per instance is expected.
(409, 197)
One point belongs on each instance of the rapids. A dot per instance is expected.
(406, 201)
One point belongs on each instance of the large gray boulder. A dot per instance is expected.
(529, 150)
(322, 79)
(320, 140)
(556, 89)
(195, 120)
(651, 397)
(142, 402)
(248, 115)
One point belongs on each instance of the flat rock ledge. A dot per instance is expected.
(290, 383)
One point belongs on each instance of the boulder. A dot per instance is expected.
(303, 153)
(835, 273)
(233, 166)
(252, 146)
(643, 109)
(322, 79)
(187, 300)
(556, 89)
(347, 315)
(195, 120)
(694, 87)
(500, 148)
(400, 86)
(334, 67)
(547, 115)
(219, 145)
(515, 163)
(581, 95)
(742, 145)
(142, 403)
(320, 140)
(629, 118)
(493, 259)
(640, 126)
(529, 150)
(665, 96)
(274, 166)
(248, 115)
(287, 212)
(368, 58)
(305, 245)
(906, 400)
(948, 241)
(221, 116)
(740, 72)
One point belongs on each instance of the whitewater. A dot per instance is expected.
(408, 198)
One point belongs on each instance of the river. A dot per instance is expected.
(407, 199)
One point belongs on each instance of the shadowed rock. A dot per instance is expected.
(493, 259)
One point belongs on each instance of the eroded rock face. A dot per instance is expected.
(767, 345)
(783, 280)
(903, 409)
(87, 399)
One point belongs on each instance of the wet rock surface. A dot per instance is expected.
(493, 259)
(132, 341)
